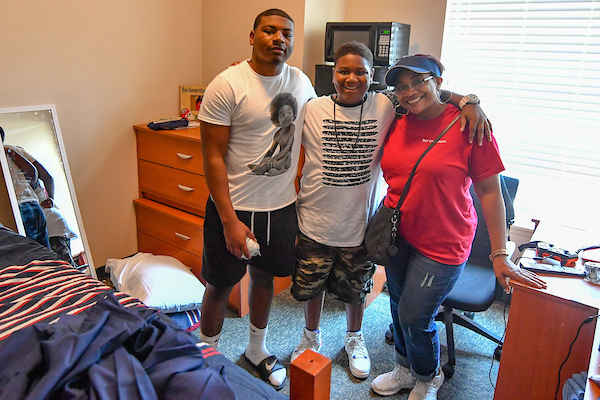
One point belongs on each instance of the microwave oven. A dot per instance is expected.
(387, 40)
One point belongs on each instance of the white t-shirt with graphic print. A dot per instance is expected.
(342, 170)
(240, 98)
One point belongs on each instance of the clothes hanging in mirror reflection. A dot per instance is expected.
(59, 233)
(34, 188)
(24, 176)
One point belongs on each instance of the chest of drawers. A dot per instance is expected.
(170, 168)
(173, 195)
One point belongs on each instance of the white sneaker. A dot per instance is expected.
(358, 356)
(394, 381)
(307, 342)
(427, 390)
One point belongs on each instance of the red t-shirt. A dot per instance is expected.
(438, 216)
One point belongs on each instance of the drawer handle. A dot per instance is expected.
(186, 188)
(182, 236)
(184, 156)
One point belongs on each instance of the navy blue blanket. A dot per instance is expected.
(108, 352)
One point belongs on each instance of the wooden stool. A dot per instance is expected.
(310, 377)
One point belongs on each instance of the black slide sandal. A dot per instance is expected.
(266, 367)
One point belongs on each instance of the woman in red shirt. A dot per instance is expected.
(438, 221)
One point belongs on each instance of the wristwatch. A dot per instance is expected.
(468, 99)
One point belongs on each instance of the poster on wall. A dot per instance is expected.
(190, 98)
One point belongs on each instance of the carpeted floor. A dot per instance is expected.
(475, 369)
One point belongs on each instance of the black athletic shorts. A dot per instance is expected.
(276, 234)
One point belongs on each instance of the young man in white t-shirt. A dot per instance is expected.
(342, 138)
(247, 203)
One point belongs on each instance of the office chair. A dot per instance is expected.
(476, 289)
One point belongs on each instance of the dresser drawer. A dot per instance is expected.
(149, 244)
(174, 227)
(173, 186)
(166, 149)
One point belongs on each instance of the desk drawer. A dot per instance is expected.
(177, 228)
(178, 187)
(171, 151)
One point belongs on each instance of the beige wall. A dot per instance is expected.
(226, 26)
(318, 13)
(106, 66)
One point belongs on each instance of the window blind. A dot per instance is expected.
(536, 67)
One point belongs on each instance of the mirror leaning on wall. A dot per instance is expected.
(36, 171)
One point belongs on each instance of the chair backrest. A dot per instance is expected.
(481, 243)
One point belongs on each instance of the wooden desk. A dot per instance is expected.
(541, 326)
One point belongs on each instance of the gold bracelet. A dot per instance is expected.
(498, 252)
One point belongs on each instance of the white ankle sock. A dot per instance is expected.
(257, 351)
(257, 348)
(212, 341)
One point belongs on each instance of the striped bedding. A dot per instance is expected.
(41, 291)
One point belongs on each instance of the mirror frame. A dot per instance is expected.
(61, 148)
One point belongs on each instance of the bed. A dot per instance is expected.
(65, 335)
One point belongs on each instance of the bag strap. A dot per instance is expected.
(412, 173)
(392, 250)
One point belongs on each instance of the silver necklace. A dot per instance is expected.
(362, 104)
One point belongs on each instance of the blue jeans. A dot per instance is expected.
(417, 287)
(34, 222)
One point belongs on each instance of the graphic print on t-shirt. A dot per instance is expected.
(283, 109)
(348, 148)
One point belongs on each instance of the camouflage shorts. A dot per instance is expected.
(344, 272)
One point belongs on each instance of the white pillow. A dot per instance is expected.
(161, 282)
